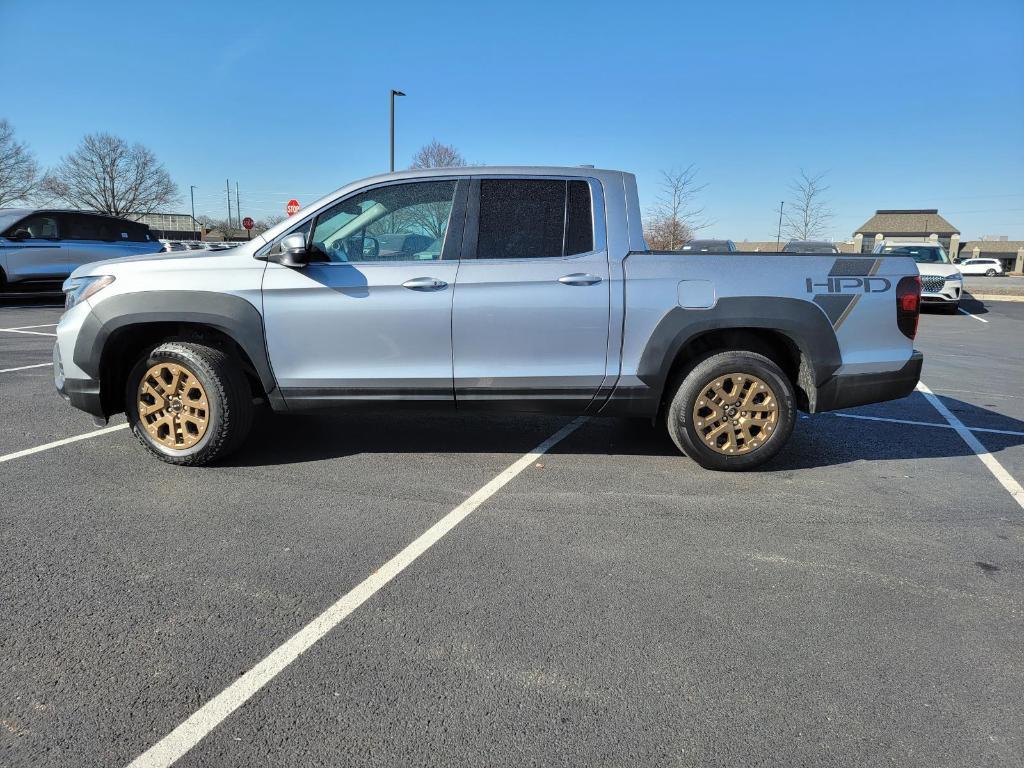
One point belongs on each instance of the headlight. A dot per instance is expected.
(78, 289)
(956, 277)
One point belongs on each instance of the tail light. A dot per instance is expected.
(908, 304)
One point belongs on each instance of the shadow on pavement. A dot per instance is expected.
(817, 441)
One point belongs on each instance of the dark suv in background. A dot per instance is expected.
(45, 245)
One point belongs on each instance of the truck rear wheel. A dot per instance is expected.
(188, 404)
(733, 411)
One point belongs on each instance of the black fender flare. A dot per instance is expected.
(232, 315)
(802, 322)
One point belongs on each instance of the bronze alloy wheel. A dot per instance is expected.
(735, 413)
(173, 407)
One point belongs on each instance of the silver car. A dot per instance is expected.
(42, 245)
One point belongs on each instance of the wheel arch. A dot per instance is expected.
(795, 334)
(121, 328)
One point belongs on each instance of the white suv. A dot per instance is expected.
(941, 281)
(987, 267)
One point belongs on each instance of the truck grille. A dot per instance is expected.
(932, 283)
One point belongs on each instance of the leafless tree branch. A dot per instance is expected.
(676, 216)
(106, 174)
(437, 155)
(19, 172)
(808, 214)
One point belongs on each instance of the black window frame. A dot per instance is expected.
(472, 228)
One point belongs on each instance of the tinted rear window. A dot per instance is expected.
(534, 218)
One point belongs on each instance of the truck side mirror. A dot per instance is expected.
(292, 251)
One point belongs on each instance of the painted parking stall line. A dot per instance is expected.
(174, 745)
(965, 312)
(998, 470)
(29, 333)
(59, 443)
(26, 367)
(909, 422)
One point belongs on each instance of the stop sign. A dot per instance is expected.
(292, 208)
(247, 222)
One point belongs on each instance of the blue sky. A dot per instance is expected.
(905, 104)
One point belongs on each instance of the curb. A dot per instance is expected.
(994, 296)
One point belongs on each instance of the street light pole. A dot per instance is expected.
(778, 237)
(192, 194)
(393, 94)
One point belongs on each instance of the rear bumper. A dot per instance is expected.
(863, 388)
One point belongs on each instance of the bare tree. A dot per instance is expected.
(807, 214)
(19, 172)
(437, 155)
(106, 174)
(675, 216)
(267, 222)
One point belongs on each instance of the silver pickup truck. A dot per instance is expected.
(518, 289)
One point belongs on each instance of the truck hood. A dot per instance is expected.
(942, 270)
(184, 260)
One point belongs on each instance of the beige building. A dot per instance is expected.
(917, 223)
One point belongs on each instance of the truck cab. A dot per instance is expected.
(510, 288)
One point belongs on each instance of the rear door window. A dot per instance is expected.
(534, 218)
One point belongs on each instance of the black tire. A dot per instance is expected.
(990, 273)
(951, 309)
(227, 392)
(689, 388)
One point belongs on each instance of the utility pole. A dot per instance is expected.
(778, 237)
(227, 186)
(393, 94)
(238, 206)
(192, 194)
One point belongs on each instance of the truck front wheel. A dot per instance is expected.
(733, 411)
(188, 404)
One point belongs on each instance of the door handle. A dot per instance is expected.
(579, 278)
(424, 284)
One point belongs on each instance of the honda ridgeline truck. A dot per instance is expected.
(516, 289)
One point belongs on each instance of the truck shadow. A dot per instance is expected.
(818, 441)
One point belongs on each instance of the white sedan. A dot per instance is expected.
(987, 267)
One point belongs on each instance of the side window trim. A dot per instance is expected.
(597, 219)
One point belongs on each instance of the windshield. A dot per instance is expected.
(922, 254)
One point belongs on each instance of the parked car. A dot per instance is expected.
(942, 284)
(987, 267)
(39, 245)
(170, 246)
(709, 246)
(809, 246)
(542, 296)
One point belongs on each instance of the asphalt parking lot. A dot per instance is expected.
(859, 602)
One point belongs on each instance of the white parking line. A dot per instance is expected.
(58, 443)
(927, 424)
(41, 325)
(26, 367)
(179, 741)
(965, 312)
(990, 461)
(30, 333)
